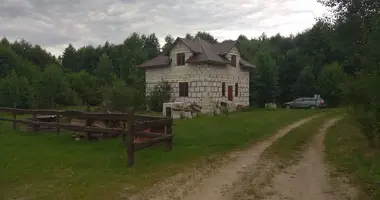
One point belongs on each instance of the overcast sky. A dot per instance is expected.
(54, 24)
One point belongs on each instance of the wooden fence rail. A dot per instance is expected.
(155, 130)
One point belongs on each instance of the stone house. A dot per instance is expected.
(201, 72)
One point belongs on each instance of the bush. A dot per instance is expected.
(364, 96)
(119, 96)
(14, 90)
(270, 106)
(161, 93)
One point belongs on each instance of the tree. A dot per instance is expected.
(119, 96)
(161, 94)
(305, 85)
(189, 36)
(151, 45)
(168, 43)
(11, 61)
(13, 90)
(133, 55)
(265, 80)
(86, 87)
(70, 59)
(290, 66)
(330, 84)
(88, 58)
(53, 87)
(104, 70)
(206, 36)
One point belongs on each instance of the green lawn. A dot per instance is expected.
(46, 166)
(348, 151)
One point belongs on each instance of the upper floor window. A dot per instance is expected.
(180, 59)
(233, 60)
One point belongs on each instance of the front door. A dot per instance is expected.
(230, 94)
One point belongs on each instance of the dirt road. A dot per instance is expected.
(308, 179)
(213, 183)
(251, 176)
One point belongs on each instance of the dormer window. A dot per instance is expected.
(180, 59)
(233, 60)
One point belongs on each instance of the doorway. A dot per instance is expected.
(230, 94)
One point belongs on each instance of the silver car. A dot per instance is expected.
(306, 102)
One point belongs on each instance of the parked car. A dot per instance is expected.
(306, 102)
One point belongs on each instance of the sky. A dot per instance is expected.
(54, 24)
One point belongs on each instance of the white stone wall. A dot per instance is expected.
(205, 81)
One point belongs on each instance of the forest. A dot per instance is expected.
(338, 58)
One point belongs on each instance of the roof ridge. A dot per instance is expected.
(202, 47)
(211, 45)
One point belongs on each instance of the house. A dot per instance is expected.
(201, 72)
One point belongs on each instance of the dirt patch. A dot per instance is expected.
(214, 182)
(306, 180)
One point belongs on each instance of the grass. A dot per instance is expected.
(283, 153)
(348, 151)
(46, 166)
(288, 148)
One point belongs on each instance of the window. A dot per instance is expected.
(183, 89)
(223, 89)
(233, 60)
(236, 89)
(180, 59)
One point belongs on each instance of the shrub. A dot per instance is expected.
(161, 93)
(364, 96)
(14, 90)
(270, 106)
(119, 96)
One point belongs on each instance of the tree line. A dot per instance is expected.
(337, 58)
(287, 67)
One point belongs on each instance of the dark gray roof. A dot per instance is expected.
(245, 63)
(203, 52)
(158, 61)
(224, 47)
(208, 54)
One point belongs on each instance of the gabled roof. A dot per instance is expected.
(158, 61)
(208, 54)
(224, 47)
(245, 63)
(203, 52)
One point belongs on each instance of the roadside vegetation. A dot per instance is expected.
(348, 152)
(288, 149)
(46, 166)
(282, 153)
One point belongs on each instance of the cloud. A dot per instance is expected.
(55, 23)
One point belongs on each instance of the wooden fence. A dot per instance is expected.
(158, 130)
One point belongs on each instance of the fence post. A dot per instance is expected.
(131, 133)
(34, 120)
(168, 131)
(58, 128)
(89, 123)
(124, 133)
(14, 119)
